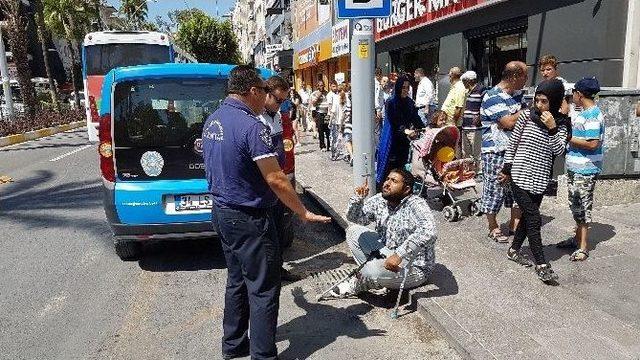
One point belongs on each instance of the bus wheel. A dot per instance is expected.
(127, 250)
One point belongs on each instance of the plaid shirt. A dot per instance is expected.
(409, 229)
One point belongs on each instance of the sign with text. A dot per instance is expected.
(340, 38)
(353, 9)
(273, 48)
(309, 55)
(410, 14)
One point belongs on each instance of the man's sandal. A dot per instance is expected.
(519, 258)
(579, 255)
(498, 237)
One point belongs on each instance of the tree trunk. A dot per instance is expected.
(18, 43)
(45, 54)
(74, 65)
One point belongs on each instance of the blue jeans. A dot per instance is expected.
(252, 295)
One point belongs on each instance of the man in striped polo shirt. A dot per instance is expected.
(500, 108)
(471, 125)
(584, 162)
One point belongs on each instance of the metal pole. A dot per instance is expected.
(6, 85)
(362, 102)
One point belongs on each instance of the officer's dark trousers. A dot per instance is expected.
(252, 295)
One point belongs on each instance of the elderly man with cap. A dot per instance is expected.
(471, 124)
(246, 181)
(454, 103)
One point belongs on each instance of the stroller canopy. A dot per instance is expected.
(436, 138)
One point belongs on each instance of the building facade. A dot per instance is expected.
(321, 43)
(589, 37)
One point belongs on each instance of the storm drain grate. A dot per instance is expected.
(322, 280)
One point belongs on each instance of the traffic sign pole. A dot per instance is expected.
(362, 102)
(363, 61)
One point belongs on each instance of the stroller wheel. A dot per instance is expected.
(450, 213)
(474, 208)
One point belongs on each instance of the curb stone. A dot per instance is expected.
(37, 134)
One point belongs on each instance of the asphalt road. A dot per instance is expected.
(64, 294)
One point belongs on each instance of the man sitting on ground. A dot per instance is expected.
(405, 235)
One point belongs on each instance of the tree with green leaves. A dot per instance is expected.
(17, 37)
(71, 20)
(208, 39)
(42, 37)
(135, 11)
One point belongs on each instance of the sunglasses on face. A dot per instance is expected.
(278, 100)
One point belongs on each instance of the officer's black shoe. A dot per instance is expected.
(286, 275)
(241, 354)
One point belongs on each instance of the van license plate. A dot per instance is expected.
(193, 202)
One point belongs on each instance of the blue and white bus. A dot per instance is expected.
(106, 50)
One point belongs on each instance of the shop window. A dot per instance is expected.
(492, 47)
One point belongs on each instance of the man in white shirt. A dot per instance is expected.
(424, 95)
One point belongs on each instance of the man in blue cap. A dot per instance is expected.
(583, 163)
(246, 181)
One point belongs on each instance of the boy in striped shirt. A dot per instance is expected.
(584, 162)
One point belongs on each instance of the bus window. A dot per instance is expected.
(102, 58)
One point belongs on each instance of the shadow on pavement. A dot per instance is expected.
(598, 233)
(33, 203)
(321, 325)
(445, 285)
(183, 255)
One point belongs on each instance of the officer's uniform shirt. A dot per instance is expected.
(233, 140)
(274, 123)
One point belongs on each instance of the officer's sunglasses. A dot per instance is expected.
(278, 100)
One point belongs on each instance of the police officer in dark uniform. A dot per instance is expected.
(245, 180)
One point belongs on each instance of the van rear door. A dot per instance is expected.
(157, 125)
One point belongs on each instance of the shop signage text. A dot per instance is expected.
(408, 14)
(340, 39)
(273, 48)
(309, 55)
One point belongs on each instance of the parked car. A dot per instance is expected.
(72, 99)
(150, 151)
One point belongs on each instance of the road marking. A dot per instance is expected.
(71, 152)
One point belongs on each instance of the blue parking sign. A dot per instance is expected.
(350, 9)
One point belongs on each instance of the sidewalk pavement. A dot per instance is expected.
(491, 308)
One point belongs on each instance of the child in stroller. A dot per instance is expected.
(433, 163)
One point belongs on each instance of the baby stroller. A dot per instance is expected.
(434, 165)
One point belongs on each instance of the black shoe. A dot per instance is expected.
(519, 258)
(242, 354)
(545, 274)
(286, 275)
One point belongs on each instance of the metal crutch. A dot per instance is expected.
(394, 313)
(374, 255)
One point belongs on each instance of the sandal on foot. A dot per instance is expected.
(567, 244)
(519, 258)
(498, 237)
(579, 255)
(545, 274)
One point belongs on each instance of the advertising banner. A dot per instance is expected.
(410, 14)
(340, 38)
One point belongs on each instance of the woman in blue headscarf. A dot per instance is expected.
(400, 120)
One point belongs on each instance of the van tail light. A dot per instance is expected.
(93, 109)
(287, 139)
(105, 149)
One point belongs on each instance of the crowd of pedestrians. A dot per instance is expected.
(515, 144)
